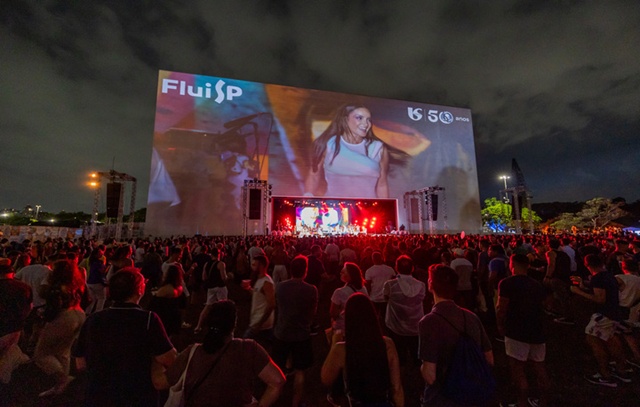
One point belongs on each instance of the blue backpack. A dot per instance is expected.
(469, 380)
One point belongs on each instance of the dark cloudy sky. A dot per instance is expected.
(554, 84)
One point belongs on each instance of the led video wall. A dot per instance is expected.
(212, 133)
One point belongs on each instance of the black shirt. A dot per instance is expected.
(611, 307)
(119, 344)
(524, 319)
(15, 304)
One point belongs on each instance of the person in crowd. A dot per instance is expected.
(152, 266)
(629, 297)
(634, 247)
(223, 369)
(175, 255)
(558, 280)
(538, 262)
(241, 261)
(375, 278)
(119, 345)
(64, 316)
(97, 280)
(404, 296)
(34, 275)
(629, 285)
(279, 259)
(297, 303)
(347, 254)
(201, 258)
(484, 284)
(440, 330)
(15, 305)
(168, 300)
(255, 250)
(121, 259)
(520, 316)
(263, 301)
(602, 288)
(464, 269)
(351, 276)
(620, 252)
(366, 259)
(498, 266)
(139, 253)
(566, 247)
(214, 277)
(332, 251)
(316, 269)
(348, 148)
(367, 359)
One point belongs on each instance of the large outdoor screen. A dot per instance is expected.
(211, 134)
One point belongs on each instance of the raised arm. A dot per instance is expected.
(315, 178)
(382, 187)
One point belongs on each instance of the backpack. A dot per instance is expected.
(213, 279)
(469, 380)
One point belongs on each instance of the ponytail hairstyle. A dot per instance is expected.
(220, 323)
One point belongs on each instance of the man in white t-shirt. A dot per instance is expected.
(263, 302)
(375, 277)
(464, 270)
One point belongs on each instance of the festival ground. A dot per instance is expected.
(568, 360)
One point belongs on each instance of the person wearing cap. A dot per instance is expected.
(16, 299)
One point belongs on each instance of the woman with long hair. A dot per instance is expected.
(351, 275)
(64, 316)
(367, 359)
(223, 369)
(347, 149)
(167, 300)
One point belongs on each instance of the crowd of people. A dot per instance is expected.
(394, 306)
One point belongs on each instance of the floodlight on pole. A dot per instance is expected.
(504, 178)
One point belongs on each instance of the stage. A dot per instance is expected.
(306, 216)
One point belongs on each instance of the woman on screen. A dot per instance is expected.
(349, 158)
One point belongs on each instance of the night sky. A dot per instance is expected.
(554, 84)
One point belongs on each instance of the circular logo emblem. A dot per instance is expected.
(446, 117)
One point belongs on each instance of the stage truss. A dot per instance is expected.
(425, 198)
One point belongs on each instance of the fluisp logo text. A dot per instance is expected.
(222, 92)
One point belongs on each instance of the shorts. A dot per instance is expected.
(216, 294)
(603, 327)
(523, 351)
(301, 354)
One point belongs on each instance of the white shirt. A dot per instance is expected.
(405, 308)
(340, 297)
(463, 269)
(378, 275)
(259, 304)
(34, 275)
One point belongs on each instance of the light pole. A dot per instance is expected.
(38, 210)
(505, 178)
(94, 184)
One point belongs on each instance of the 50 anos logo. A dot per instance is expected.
(445, 117)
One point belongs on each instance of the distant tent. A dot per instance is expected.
(633, 227)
